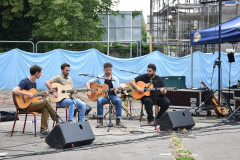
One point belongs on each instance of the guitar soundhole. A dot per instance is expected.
(80, 126)
(23, 99)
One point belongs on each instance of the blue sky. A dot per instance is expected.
(138, 5)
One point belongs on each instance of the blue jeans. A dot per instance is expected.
(80, 104)
(115, 100)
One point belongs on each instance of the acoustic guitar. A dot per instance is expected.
(147, 87)
(101, 90)
(218, 109)
(63, 91)
(22, 101)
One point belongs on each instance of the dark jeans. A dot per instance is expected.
(148, 102)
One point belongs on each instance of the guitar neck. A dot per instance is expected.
(157, 89)
(78, 90)
(41, 93)
(204, 85)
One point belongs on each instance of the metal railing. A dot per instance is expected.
(102, 46)
(8, 45)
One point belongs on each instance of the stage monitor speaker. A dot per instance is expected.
(231, 57)
(175, 120)
(70, 135)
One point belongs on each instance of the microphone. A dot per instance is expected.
(83, 74)
(215, 63)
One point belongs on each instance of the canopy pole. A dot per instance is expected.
(191, 66)
(219, 51)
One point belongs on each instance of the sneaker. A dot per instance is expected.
(119, 123)
(60, 122)
(45, 132)
(151, 123)
(99, 123)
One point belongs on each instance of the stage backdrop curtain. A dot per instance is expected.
(15, 66)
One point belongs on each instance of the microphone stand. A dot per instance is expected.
(51, 107)
(130, 72)
(87, 75)
(77, 108)
(155, 103)
(110, 124)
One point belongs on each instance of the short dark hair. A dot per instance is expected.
(152, 66)
(34, 69)
(107, 65)
(64, 65)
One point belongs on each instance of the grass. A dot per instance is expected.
(180, 152)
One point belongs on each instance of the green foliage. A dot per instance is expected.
(182, 154)
(59, 20)
(136, 13)
(13, 24)
(172, 32)
(144, 31)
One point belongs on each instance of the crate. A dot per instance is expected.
(174, 81)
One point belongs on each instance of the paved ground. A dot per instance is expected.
(209, 139)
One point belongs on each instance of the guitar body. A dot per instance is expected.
(142, 85)
(22, 101)
(98, 91)
(61, 90)
(220, 111)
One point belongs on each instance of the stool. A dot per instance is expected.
(65, 107)
(26, 114)
(141, 113)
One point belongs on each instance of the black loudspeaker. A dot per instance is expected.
(175, 120)
(231, 57)
(70, 135)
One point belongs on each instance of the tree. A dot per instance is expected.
(144, 31)
(13, 24)
(60, 20)
(71, 20)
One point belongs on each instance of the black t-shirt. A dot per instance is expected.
(110, 85)
(27, 84)
(157, 83)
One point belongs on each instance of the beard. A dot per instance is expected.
(65, 75)
(107, 74)
(151, 75)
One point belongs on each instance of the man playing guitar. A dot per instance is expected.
(113, 82)
(64, 79)
(40, 106)
(156, 97)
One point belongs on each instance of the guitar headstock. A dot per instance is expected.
(204, 85)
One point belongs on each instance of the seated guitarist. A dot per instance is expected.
(112, 94)
(156, 97)
(40, 106)
(64, 79)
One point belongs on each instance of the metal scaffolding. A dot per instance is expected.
(172, 21)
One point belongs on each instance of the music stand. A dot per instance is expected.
(230, 60)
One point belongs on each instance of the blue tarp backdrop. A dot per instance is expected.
(15, 66)
(230, 32)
